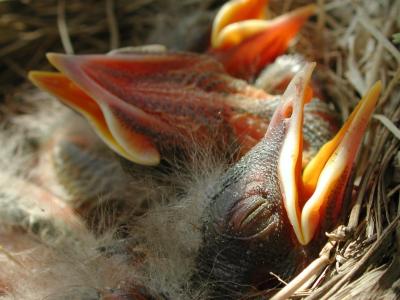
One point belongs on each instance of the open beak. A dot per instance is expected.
(126, 98)
(244, 41)
(262, 210)
(146, 105)
(315, 197)
(233, 12)
(128, 144)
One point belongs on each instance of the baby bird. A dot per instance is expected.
(244, 183)
(263, 215)
(245, 41)
(149, 106)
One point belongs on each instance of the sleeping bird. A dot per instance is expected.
(217, 183)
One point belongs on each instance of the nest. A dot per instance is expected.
(354, 43)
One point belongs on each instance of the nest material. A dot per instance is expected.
(354, 45)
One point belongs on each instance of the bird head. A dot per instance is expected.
(152, 106)
(266, 212)
(146, 105)
(245, 41)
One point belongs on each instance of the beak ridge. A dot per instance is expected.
(326, 176)
(236, 11)
(246, 46)
(291, 112)
(314, 199)
(139, 150)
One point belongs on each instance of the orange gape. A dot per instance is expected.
(147, 105)
(264, 215)
(72, 95)
(144, 105)
(245, 42)
(234, 12)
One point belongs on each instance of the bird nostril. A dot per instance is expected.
(288, 111)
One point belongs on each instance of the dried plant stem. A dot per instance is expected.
(376, 62)
(308, 273)
(112, 24)
(368, 24)
(63, 28)
(390, 87)
(361, 263)
(388, 124)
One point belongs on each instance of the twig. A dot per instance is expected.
(377, 59)
(378, 243)
(394, 82)
(368, 24)
(312, 269)
(20, 43)
(63, 29)
(278, 278)
(112, 24)
(388, 124)
(393, 191)
(321, 17)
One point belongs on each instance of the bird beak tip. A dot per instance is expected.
(295, 96)
(307, 11)
(289, 114)
(236, 11)
(54, 58)
(139, 149)
(45, 80)
(317, 193)
(327, 174)
(245, 42)
(34, 77)
(62, 62)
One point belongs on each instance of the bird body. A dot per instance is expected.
(257, 206)
(168, 101)
(218, 199)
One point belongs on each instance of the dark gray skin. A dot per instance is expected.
(246, 232)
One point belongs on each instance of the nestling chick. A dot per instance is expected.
(216, 198)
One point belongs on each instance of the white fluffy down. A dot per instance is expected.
(142, 236)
